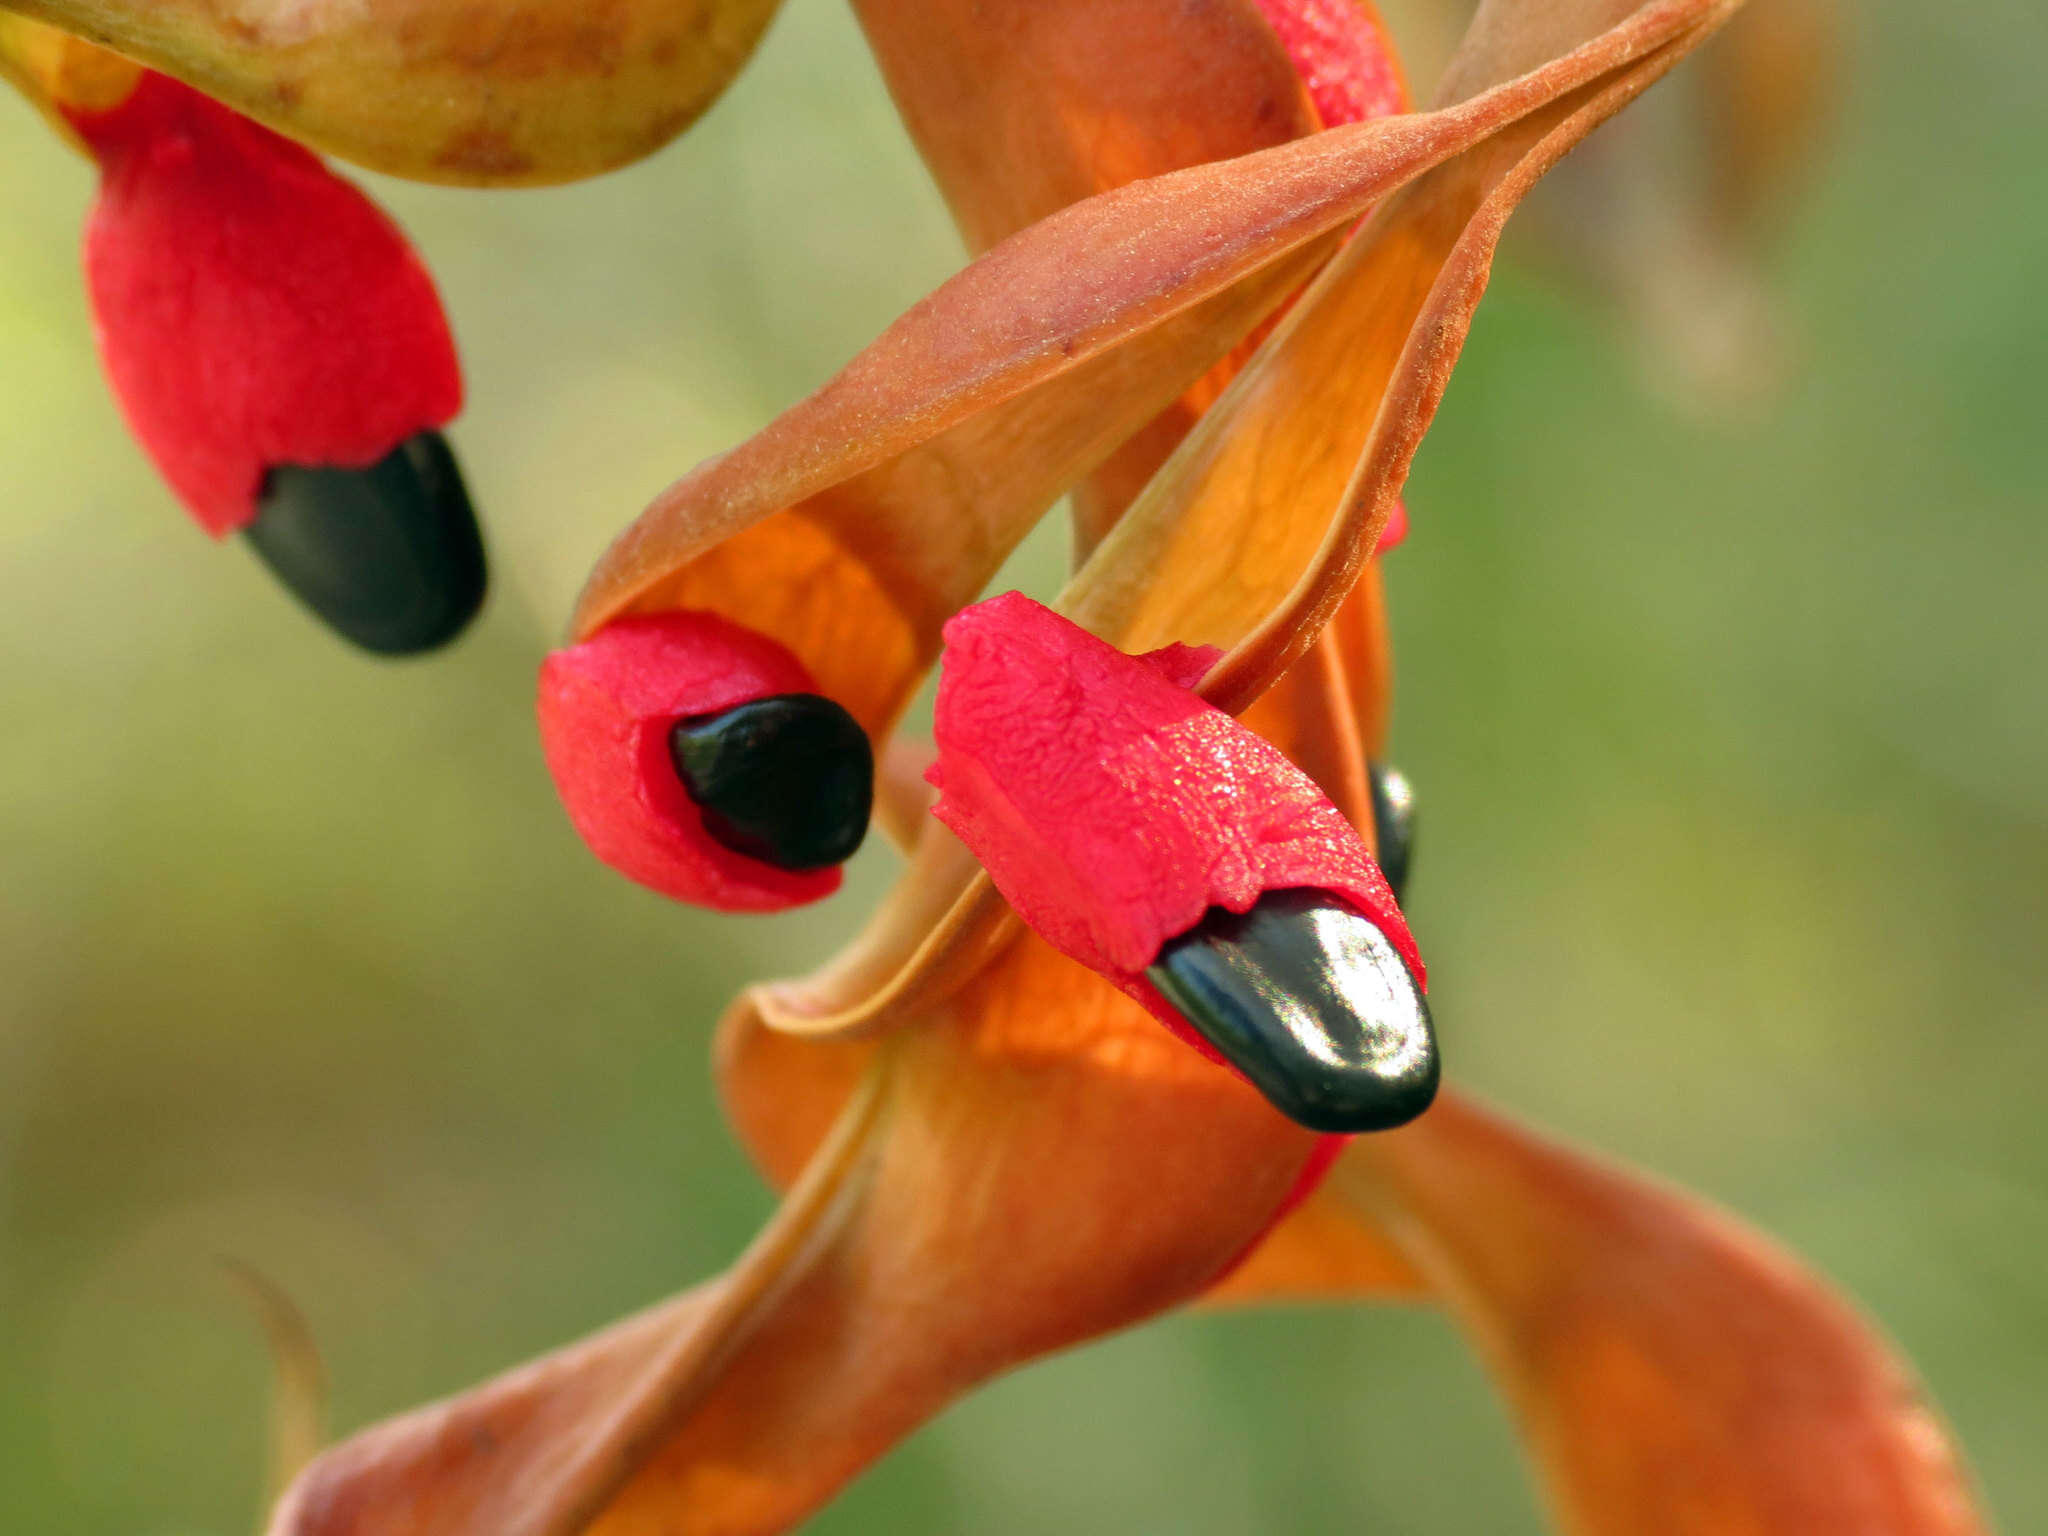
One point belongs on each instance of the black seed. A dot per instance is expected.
(389, 556)
(1313, 1003)
(788, 779)
(1393, 823)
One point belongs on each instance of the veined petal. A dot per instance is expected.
(486, 93)
(955, 1223)
(1672, 1371)
(1256, 530)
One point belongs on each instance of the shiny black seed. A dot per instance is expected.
(788, 779)
(1311, 1002)
(1393, 823)
(389, 556)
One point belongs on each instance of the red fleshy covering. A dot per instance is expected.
(1183, 665)
(1112, 807)
(253, 309)
(1343, 55)
(606, 709)
(1396, 532)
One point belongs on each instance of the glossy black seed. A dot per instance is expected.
(1311, 1002)
(788, 779)
(1393, 823)
(389, 556)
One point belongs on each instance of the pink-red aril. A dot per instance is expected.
(696, 756)
(1157, 841)
(280, 352)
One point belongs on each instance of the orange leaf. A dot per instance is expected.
(1036, 1164)
(1672, 1371)
(1021, 107)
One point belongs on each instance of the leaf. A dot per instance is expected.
(1035, 1165)
(1671, 1370)
(1022, 107)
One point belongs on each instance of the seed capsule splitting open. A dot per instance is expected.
(698, 757)
(1184, 858)
(279, 350)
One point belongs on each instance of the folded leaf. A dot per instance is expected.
(1672, 1371)
(1035, 1165)
(1021, 107)
(927, 456)
(1258, 527)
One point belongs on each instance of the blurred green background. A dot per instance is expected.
(1729, 724)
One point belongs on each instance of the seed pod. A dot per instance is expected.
(279, 350)
(651, 708)
(1119, 813)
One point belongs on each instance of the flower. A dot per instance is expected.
(991, 1153)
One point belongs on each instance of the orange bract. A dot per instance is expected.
(989, 1152)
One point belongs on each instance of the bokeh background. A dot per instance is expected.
(1723, 687)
